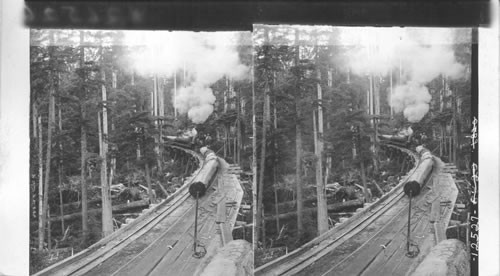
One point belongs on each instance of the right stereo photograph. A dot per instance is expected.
(362, 151)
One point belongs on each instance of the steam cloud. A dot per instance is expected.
(423, 55)
(413, 99)
(206, 57)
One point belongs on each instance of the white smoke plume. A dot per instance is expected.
(413, 99)
(206, 57)
(196, 101)
(424, 54)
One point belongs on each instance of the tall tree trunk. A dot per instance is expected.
(232, 134)
(238, 128)
(83, 148)
(83, 174)
(33, 165)
(254, 165)
(265, 125)
(224, 145)
(450, 146)
(373, 94)
(442, 126)
(40, 184)
(50, 125)
(320, 185)
(60, 168)
(259, 218)
(456, 137)
(158, 109)
(107, 212)
(298, 173)
(298, 147)
(275, 154)
(48, 156)
(440, 140)
(33, 148)
(112, 170)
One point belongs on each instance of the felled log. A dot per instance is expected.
(331, 208)
(116, 208)
(76, 205)
(288, 206)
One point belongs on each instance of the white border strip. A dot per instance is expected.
(14, 140)
(488, 136)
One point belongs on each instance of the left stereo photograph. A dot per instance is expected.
(140, 153)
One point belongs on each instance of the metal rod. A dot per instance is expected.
(467, 231)
(196, 224)
(409, 217)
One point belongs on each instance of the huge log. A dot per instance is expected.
(448, 257)
(235, 258)
(116, 208)
(331, 208)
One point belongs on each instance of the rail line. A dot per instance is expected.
(117, 250)
(332, 253)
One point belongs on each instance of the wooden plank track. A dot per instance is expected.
(171, 253)
(377, 244)
(160, 242)
(372, 238)
(316, 249)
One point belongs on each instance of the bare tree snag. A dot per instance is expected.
(320, 185)
(107, 213)
(298, 147)
(40, 184)
(83, 147)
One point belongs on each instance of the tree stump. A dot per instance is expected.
(448, 257)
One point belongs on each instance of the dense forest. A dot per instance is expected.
(101, 102)
(323, 95)
(300, 109)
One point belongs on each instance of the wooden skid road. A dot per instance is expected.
(374, 246)
(167, 249)
(378, 246)
(160, 242)
(172, 254)
(318, 255)
(164, 256)
(110, 245)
